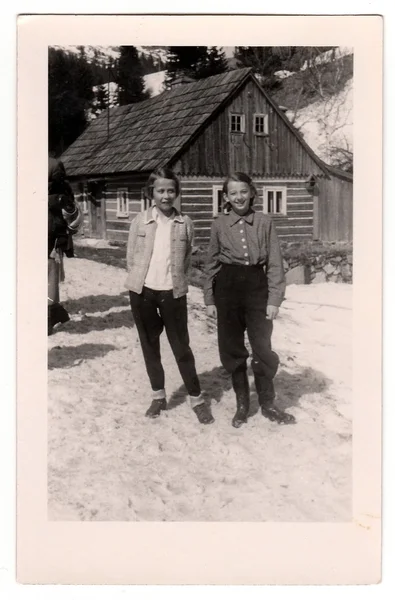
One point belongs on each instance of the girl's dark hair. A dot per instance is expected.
(161, 173)
(238, 176)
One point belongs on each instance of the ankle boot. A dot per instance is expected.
(266, 401)
(242, 391)
(56, 314)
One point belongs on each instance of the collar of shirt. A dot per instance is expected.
(152, 215)
(235, 218)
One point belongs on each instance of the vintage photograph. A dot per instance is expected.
(200, 283)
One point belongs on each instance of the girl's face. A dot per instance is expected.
(164, 194)
(239, 195)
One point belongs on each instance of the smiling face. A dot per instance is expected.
(239, 195)
(164, 194)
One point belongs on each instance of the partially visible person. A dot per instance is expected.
(244, 288)
(64, 219)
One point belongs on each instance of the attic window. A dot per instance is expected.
(275, 200)
(237, 123)
(122, 202)
(261, 124)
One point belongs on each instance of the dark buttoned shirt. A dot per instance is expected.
(249, 240)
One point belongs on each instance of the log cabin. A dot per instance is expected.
(205, 130)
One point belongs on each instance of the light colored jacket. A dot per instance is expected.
(140, 246)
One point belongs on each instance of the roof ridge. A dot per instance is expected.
(184, 87)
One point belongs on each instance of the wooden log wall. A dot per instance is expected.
(297, 225)
(197, 203)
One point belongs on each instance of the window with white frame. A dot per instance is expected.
(218, 200)
(82, 198)
(275, 200)
(122, 202)
(237, 123)
(261, 124)
(145, 202)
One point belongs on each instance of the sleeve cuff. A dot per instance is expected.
(209, 299)
(275, 301)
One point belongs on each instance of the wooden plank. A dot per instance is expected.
(300, 213)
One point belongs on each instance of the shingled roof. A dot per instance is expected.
(147, 134)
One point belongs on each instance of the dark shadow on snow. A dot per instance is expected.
(290, 387)
(64, 357)
(113, 320)
(217, 381)
(96, 303)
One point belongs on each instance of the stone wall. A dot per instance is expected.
(311, 265)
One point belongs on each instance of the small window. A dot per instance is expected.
(261, 124)
(84, 203)
(82, 198)
(218, 200)
(275, 200)
(122, 202)
(145, 202)
(237, 123)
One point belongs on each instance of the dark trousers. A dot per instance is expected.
(53, 281)
(241, 294)
(154, 311)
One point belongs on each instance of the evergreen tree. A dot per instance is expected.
(70, 96)
(129, 76)
(196, 62)
(264, 60)
(184, 59)
(101, 100)
(212, 63)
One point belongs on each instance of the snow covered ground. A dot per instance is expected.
(106, 461)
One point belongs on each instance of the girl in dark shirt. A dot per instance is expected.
(244, 288)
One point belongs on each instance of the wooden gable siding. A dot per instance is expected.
(217, 151)
(335, 210)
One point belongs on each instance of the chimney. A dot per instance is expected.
(181, 79)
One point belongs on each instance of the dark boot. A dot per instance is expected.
(157, 405)
(242, 391)
(266, 402)
(203, 413)
(56, 314)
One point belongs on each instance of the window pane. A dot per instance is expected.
(270, 202)
(279, 196)
(220, 201)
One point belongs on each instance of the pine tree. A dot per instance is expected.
(70, 96)
(264, 60)
(212, 63)
(184, 60)
(129, 76)
(101, 100)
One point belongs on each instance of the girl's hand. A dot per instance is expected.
(212, 311)
(271, 312)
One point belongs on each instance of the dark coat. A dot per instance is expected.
(60, 196)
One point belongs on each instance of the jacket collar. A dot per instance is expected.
(235, 218)
(149, 216)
